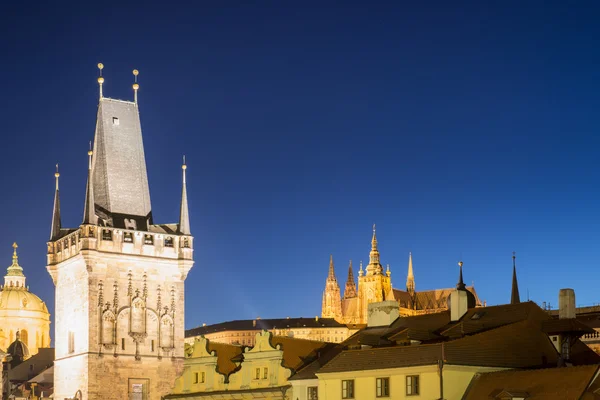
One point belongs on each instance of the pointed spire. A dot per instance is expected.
(136, 86)
(184, 215)
(331, 276)
(374, 266)
(461, 284)
(89, 209)
(360, 269)
(55, 232)
(410, 277)
(350, 290)
(100, 78)
(514, 295)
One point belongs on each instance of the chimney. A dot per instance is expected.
(254, 323)
(459, 304)
(566, 304)
(382, 313)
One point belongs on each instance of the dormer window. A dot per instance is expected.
(115, 121)
(149, 239)
(128, 237)
(168, 241)
(106, 234)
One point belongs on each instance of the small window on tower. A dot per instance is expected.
(148, 239)
(115, 121)
(128, 237)
(168, 241)
(106, 234)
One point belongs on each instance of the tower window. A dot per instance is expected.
(71, 342)
(148, 239)
(115, 121)
(122, 343)
(168, 241)
(152, 345)
(106, 234)
(128, 237)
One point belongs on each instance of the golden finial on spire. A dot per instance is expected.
(15, 245)
(460, 264)
(90, 152)
(56, 175)
(184, 165)
(100, 78)
(136, 86)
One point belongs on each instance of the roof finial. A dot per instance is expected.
(184, 216)
(100, 78)
(15, 269)
(136, 86)
(56, 175)
(15, 257)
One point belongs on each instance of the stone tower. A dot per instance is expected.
(375, 285)
(332, 301)
(119, 277)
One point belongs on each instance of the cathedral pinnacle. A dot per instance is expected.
(514, 295)
(89, 209)
(331, 276)
(410, 278)
(100, 78)
(374, 266)
(55, 232)
(184, 215)
(350, 290)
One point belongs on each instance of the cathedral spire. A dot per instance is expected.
(514, 296)
(350, 290)
(374, 266)
(331, 276)
(184, 215)
(410, 278)
(55, 232)
(89, 210)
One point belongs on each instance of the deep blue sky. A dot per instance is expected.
(464, 131)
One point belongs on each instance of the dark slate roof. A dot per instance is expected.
(518, 345)
(569, 383)
(266, 324)
(32, 366)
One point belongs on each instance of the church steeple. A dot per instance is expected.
(184, 215)
(514, 295)
(89, 212)
(410, 277)
(374, 266)
(55, 231)
(332, 300)
(350, 290)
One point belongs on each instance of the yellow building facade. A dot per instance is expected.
(22, 311)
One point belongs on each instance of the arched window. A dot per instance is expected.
(25, 337)
(166, 332)
(108, 327)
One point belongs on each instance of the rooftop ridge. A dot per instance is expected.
(118, 100)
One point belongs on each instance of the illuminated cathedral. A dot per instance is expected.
(375, 285)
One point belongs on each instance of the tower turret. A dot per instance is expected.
(374, 266)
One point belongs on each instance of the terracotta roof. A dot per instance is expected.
(517, 345)
(225, 354)
(266, 324)
(297, 351)
(568, 383)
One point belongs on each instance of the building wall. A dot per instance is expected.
(456, 380)
(103, 345)
(322, 334)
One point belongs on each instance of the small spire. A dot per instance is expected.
(387, 271)
(350, 290)
(410, 277)
(15, 269)
(89, 209)
(100, 78)
(514, 295)
(136, 86)
(331, 276)
(374, 266)
(55, 231)
(360, 270)
(461, 284)
(184, 215)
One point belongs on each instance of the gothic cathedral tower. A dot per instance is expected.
(332, 301)
(119, 277)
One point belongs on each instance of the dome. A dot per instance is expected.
(17, 349)
(18, 298)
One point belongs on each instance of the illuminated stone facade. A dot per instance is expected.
(22, 311)
(119, 277)
(374, 286)
(243, 332)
